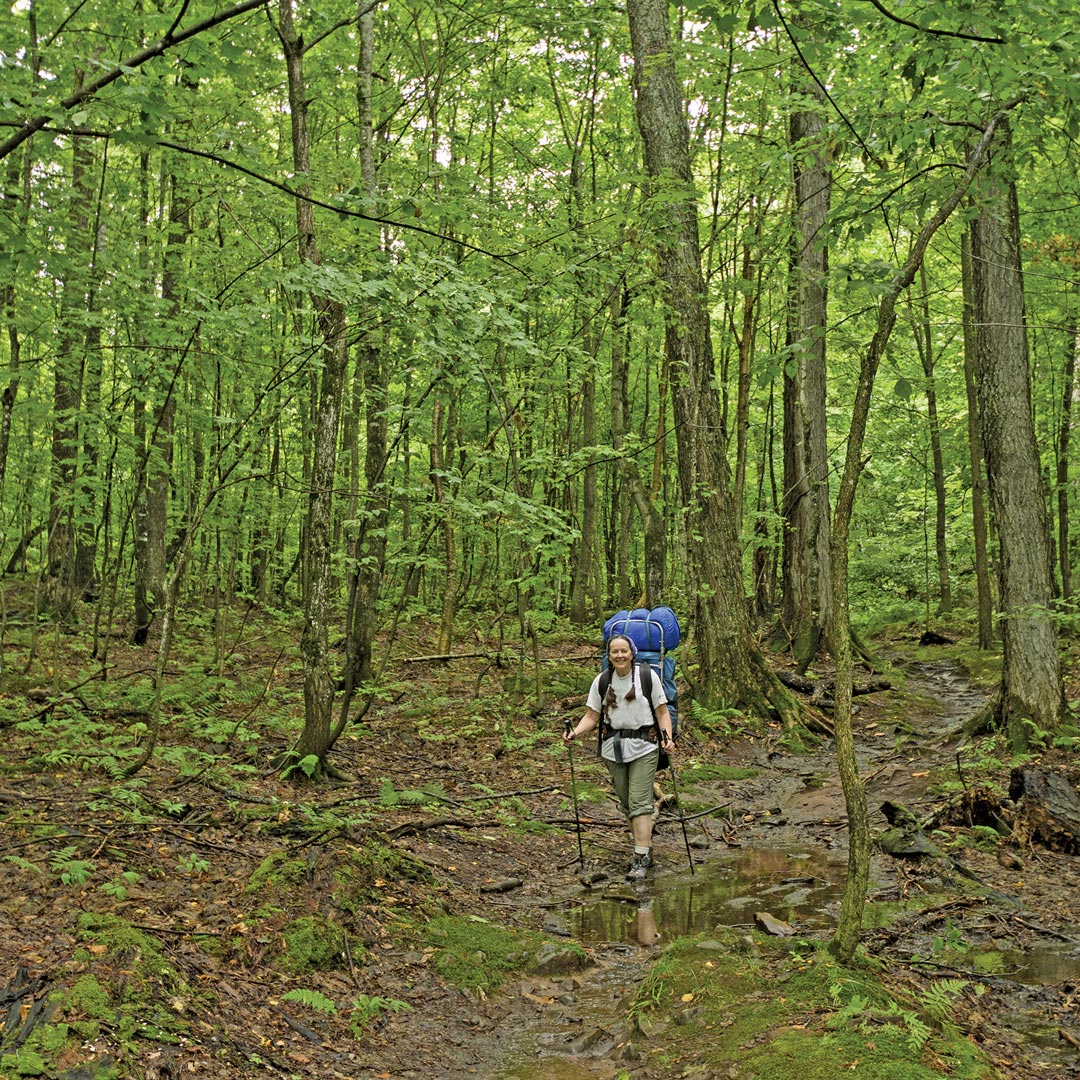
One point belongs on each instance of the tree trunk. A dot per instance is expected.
(62, 587)
(441, 487)
(744, 336)
(853, 902)
(1068, 392)
(806, 585)
(732, 668)
(631, 481)
(15, 200)
(371, 540)
(924, 343)
(319, 684)
(583, 591)
(984, 599)
(1031, 691)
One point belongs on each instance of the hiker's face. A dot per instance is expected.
(621, 655)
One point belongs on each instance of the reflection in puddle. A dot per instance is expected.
(1045, 966)
(802, 889)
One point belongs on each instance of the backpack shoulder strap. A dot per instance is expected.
(645, 679)
(603, 686)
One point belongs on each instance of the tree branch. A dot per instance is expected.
(343, 210)
(125, 67)
(823, 88)
(931, 30)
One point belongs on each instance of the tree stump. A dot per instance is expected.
(1048, 809)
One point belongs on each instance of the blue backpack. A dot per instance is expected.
(655, 633)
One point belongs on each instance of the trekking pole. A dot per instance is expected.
(573, 790)
(682, 820)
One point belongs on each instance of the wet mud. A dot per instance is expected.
(782, 851)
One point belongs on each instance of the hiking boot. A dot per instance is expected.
(639, 867)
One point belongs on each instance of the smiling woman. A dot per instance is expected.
(633, 727)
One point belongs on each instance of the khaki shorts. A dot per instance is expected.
(633, 783)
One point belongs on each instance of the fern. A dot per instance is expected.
(23, 864)
(855, 1007)
(940, 996)
(918, 1031)
(311, 999)
(390, 796)
(367, 1007)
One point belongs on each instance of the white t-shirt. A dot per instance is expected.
(628, 715)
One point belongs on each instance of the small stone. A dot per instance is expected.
(552, 959)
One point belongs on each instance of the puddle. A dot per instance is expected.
(1033, 967)
(801, 888)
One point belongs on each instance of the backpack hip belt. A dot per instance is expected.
(648, 733)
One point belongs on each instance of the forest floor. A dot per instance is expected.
(419, 917)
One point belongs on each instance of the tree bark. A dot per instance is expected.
(1031, 690)
(853, 902)
(62, 587)
(979, 531)
(370, 547)
(924, 343)
(319, 684)
(632, 483)
(806, 585)
(731, 666)
(1068, 393)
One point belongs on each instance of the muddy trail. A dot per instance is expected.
(774, 841)
(443, 825)
(780, 851)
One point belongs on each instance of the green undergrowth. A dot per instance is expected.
(479, 955)
(129, 994)
(700, 772)
(754, 1007)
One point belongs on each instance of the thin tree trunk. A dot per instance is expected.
(16, 200)
(853, 902)
(924, 344)
(62, 588)
(319, 683)
(1068, 393)
(806, 586)
(984, 598)
(631, 481)
(372, 368)
(441, 488)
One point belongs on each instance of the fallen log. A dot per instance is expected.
(823, 691)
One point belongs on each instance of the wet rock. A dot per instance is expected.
(650, 1026)
(595, 1042)
(552, 959)
(772, 925)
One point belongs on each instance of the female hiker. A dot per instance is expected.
(630, 742)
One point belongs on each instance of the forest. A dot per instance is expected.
(364, 357)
